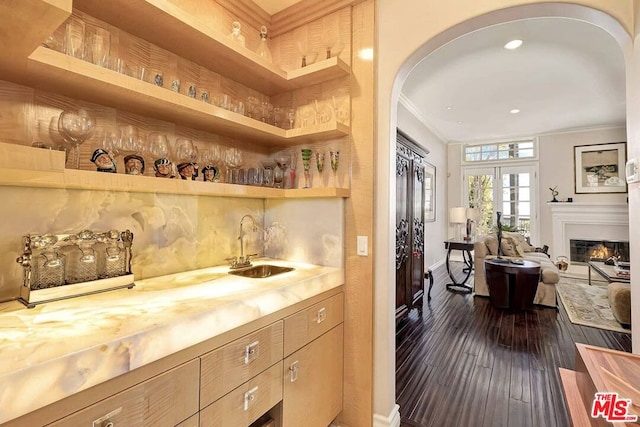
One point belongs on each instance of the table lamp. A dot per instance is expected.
(457, 217)
(473, 215)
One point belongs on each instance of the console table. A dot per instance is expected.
(466, 247)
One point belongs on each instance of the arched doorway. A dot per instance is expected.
(394, 64)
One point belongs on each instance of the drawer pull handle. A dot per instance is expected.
(104, 420)
(249, 397)
(293, 371)
(251, 352)
(321, 315)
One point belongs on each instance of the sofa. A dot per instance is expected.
(514, 245)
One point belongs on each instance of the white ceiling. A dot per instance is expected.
(567, 75)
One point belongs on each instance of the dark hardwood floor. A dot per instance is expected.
(465, 363)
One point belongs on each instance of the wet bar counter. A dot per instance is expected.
(58, 349)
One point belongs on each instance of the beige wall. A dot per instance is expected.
(408, 30)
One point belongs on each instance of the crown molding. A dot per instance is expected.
(304, 12)
(410, 106)
(250, 12)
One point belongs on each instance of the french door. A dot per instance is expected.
(511, 190)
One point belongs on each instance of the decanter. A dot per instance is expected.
(263, 47)
(235, 35)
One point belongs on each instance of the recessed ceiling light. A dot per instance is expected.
(514, 111)
(513, 44)
(460, 122)
(449, 107)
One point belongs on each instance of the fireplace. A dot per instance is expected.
(583, 250)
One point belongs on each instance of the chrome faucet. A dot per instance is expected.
(242, 261)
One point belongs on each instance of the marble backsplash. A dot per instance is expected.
(172, 233)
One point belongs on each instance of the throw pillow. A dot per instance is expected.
(508, 247)
(492, 244)
(522, 245)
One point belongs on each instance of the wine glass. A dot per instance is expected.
(269, 173)
(283, 161)
(306, 164)
(232, 160)
(291, 116)
(332, 44)
(320, 163)
(335, 159)
(75, 128)
(308, 56)
(129, 141)
(157, 146)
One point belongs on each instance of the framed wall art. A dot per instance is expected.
(600, 168)
(429, 192)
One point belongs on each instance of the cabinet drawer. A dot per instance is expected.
(246, 403)
(307, 325)
(164, 400)
(227, 367)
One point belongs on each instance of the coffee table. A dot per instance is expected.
(512, 286)
(607, 271)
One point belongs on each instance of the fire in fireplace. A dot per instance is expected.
(582, 251)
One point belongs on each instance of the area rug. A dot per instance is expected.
(588, 305)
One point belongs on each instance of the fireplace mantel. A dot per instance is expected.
(588, 221)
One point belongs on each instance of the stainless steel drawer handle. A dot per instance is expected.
(251, 352)
(104, 420)
(321, 315)
(249, 397)
(293, 371)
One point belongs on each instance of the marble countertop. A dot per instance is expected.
(57, 349)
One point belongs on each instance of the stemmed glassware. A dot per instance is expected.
(320, 163)
(292, 169)
(283, 161)
(269, 167)
(331, 42)
(158, 145)
(232, 160)
(307, 55)
(306, 163)
(335, 159)
(75, 128)
(129, 141)
(291, 116)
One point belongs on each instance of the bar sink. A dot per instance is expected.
(261, 271)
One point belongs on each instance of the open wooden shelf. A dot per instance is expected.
(51, 70)
(177, 31)
(42, 168)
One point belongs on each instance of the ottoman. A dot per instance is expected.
(620, 301)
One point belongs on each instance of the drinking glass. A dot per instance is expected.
(158, 145)
(185, 151)
(129, 140)
(75, 128)
(332, 44)
(292, 169)
(308, 56)
(283, 161)
(232, 160)
(99, 40)
(269, 174)
(74, 38)
(320, 164)
(291, 116)
(335, 159)
(306, 164)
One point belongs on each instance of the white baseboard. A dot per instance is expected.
(438, 264)
(392, 420)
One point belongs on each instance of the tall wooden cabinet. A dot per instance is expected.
(410, 216)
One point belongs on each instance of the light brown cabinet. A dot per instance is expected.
(313, 370)
(312, 394)
(234, 383)
(165, 400)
